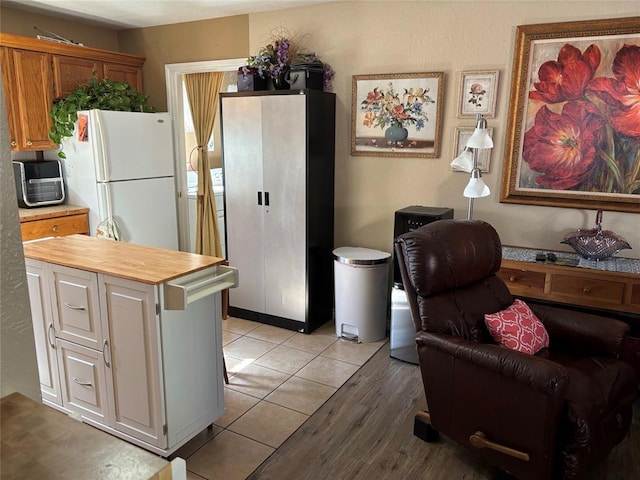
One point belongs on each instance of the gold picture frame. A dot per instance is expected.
(461, 137)
(568, 143)
(397, 115)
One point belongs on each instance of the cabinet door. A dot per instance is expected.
(43, 330)
(69, 72)
(124, 73)
(244, 198)
(34, 89)
(285, 175)
(10, 96)
(77, 308)
(84, 387)
(134, 381)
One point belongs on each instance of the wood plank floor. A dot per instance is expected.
(365, 431)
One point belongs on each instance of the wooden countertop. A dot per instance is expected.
(39, 442)
(126, 260)
(53, 211)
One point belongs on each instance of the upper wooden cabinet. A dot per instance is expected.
(33, 89)
(123, 73)
(36, 72)
(10, 96)
(69, 72)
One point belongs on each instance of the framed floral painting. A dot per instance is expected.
(573, 130)
(460, 139)
(477, 95)
(397, 115)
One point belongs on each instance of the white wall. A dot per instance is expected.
(376, 37)
(18, 369)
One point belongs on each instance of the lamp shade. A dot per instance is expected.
(464, 161)
(480, 137)
(476, 188)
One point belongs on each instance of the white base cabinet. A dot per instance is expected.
(109, 351)
(43, 332)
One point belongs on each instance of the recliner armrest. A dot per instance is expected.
(582, 333)
(543, 375)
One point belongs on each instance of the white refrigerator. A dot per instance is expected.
(120, 165)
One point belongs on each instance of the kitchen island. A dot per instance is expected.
(128, 337)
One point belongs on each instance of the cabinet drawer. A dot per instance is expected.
(55, 227)
(588, 289)
(523, 282)
(635, 295)
(77, 307)
(84, 386)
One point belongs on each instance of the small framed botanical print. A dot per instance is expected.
(477, 94)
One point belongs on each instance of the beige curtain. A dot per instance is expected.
(202, 91)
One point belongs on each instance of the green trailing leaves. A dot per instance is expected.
(103, 94)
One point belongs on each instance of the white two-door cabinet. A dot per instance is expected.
(129, 337)
(278, 150)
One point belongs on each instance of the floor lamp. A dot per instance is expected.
(467, 161)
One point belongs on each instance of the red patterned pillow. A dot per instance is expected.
(517, 327)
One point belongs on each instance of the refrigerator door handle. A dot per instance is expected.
(100, 146)
(259, 198)
(108, 227)
(266, 199)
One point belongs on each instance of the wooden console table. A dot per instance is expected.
(611, 284)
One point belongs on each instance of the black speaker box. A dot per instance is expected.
(409, 219)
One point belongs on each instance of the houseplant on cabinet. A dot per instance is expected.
(105, 94)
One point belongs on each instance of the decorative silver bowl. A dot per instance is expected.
(595, 243)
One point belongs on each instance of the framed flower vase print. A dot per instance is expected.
(397, 115)
(460, 139)
(477, 95)
(573, 129)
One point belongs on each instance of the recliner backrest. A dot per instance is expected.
(450, 268)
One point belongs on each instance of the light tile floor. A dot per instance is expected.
(277, 379)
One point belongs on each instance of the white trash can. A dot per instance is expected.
(361, 293)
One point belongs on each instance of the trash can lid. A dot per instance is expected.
(360, 256)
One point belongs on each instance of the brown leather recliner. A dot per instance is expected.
(564, 408)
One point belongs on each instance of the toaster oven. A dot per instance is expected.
(38, 182)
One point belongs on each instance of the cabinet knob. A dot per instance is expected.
(55, 228)
(14, 143)
(586, 290)
(29, 143)
(512, 278)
